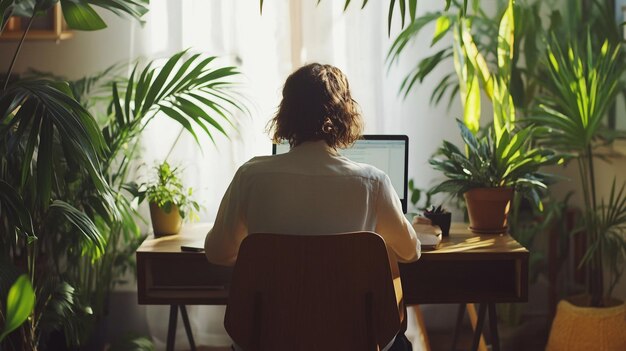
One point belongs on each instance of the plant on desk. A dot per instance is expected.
(503, 159)
(491, 170)
(438, 215)
(169, 201)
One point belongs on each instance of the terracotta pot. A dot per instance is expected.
(488, 209)
(164, 223)
(577, 328)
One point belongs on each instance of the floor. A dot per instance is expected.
(530, 336)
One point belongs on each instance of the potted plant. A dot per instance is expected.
(169, 201)
(491, 170)
(581, 84)
(503, 160)
(438, 215)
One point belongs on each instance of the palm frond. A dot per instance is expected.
(87, 232)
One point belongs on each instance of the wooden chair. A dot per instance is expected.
(328, 292)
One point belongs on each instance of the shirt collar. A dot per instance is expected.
(314, 146)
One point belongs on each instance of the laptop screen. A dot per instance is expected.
(389, 153)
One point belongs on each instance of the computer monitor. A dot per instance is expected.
(389, 153)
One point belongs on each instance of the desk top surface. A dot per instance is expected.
(460, 242)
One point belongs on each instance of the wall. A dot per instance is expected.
(86, 53)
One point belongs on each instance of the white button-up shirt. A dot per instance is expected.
(311, 190)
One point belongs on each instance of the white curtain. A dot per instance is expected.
(259, 46)
(267, 49)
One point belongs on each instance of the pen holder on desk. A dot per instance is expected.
(443, 220)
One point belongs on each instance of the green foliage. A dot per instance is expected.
(187, 90)
(167, 190)
(405, 7)
(62, 170)
(581, 86)
(568, 22)
(507, 161)
(19, 305)
(473, 33)
(416, 195)
(610, 243)
(78, 14)
(563, 72)
(132, 343)
(434, 210)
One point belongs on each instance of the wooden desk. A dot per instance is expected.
(466, 268)
(166, 275)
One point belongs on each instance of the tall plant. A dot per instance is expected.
(581, 87)
(188, 89)
(569, 20)
(480, 66)
(60, 174)
(40, 121)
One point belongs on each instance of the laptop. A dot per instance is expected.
(389, 153)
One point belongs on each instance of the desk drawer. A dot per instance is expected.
(452, 281)
(165, 278)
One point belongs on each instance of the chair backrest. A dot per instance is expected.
(327, 292)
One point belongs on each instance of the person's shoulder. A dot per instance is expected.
(366, 170)
(259, 164)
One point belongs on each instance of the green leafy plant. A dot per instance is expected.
(44, 131)
(194, 93)
(477, 39)
(490, 162)
(167, 191)
(581, 86)
(68, 223)
(435, 210)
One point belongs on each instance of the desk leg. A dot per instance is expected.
(183, 313)
(171, 328)
(493, 327)
(482, 308)
(473, 317)
(459, 321)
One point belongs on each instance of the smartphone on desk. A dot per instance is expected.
(191, 248)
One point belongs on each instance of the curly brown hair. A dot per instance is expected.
(317, 105)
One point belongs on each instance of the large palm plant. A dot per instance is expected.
(582, 84)
(188, 90)
(62, 215)
(568, 21)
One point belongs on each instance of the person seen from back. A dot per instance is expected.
(312, 189)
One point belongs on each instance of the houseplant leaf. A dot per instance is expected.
(19, 305)
(81, 16)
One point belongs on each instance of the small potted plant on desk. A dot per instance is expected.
(438, 215)
(490, 171)
(169, 202)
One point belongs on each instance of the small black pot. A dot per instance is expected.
(442, 220)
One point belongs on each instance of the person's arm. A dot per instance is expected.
(221, 245)
(393, 226)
